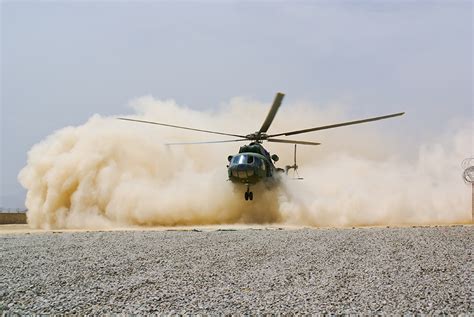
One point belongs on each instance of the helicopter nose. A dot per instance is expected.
(242, 171)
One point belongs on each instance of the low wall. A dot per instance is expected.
(7, 218)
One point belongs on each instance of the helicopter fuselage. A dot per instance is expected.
(251, 165)
(249, 168)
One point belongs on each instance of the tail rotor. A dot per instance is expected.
(294, 167)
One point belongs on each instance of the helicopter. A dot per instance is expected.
(253, 163)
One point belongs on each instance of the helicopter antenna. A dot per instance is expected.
(294, 167)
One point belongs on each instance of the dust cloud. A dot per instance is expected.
(109, 173)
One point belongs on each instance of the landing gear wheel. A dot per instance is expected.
(248, 193)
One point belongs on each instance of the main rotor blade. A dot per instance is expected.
(292, 141)
(205, 142)
(180, 127)
(338, 125)
(271, 114)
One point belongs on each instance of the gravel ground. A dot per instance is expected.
(364, 270)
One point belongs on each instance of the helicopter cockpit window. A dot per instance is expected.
(256, 161)
(244, 159)
(239, 159)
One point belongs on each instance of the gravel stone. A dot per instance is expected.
(418, 270)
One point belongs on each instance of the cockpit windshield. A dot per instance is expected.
(246, 159)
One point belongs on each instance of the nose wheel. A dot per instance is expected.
(248, 194)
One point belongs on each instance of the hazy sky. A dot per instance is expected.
(61, 62)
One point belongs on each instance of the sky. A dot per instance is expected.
(62, 62)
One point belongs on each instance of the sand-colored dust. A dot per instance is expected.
(109, 173)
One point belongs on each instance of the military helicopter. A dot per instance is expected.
(253, 163)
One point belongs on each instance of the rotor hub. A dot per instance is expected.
(257, 136)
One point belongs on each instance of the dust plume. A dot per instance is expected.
(110, 173)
